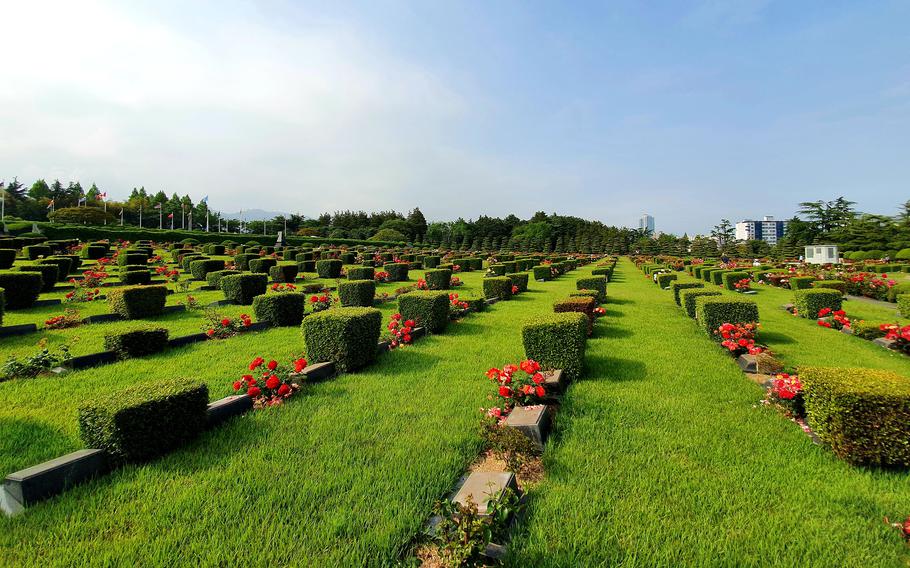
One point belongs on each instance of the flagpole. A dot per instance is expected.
(105, 211)
(206, 218)
(140, 213)
(160, 217)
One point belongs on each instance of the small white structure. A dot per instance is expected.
(822, 254)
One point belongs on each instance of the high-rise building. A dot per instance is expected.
(646, 222)
(768, 230)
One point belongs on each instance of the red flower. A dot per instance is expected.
(284, 390)
(537, 378)
(823, 312)
(210, 332)
(493, 373)
(406, 338)
(256, 362)
(272, 365)
(409, 323)
(226, 322)
(314, 299)
(540, 391)
(505, 392)
(530, 366)
(299, 365)
(272, 382)
(237, 385)
(253, 392)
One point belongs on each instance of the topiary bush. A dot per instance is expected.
(345, 336)
(678, 287)
(63, 266)
(137, 342)
(838, 285)
(498, 269)
(897, 289)
(731, 278)
(361, 273)
(214, 278)
(903, 304)
(283, 273)
(429, 309)
(242, 288)
(306, 266)
(519, 279)
(145, 421)
(49, 274)
(357, 293)
(262, 265)
(34, 252)
(201, 268)
(126, 257)
(606, 272)
(801, 282)
(242, 260)
(438, 279)
(398, 271)
(711, 312)
(431, 261)
(598, 283)
(328, 268)
(137, 302)
(808, 302)
(717, 277)
(7, 258)
(581, 304)
(22, 288)
(135, 277)
(94, 252)
(863, 414)
(557, 341)
(497, 287)
(188, 259)
(689, 297)
(304, 256)
(281, 309)
(541, 272)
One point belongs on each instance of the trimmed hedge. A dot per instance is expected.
(711, 312)
(598, 283)
(137, 342)
(717, 276)
(94, 252)
(903, 304)
(128, 257)
(664, 279)
(438, 279)
(306, 266)
(863, 414)
(678, 287)
(808, 302)
(137, 302)
(801, 282)
(497, 287)
(262, 265)
(200, 268)
(281, 309)
(731, 278)
(541, 272)
(581, 304)
(428, 308)
(606, 272)
(135, 277)
(557, 341)
(145, 421)
(328, 268)
(357, 293)
(22, 288)
(283, 273)
(242, 260)
(34, 252)
(49, 274)
(398, 271)
(688, 298)
(7, 258)
(242, 288)
(345, 336)
(361, 273)
(838, 285)
(519, 279)
(431, 261)
(188, 259)
(2, 304)
(214, 278)
(64, 264)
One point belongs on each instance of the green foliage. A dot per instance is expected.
(541, 272)
(22, 288)
(328, 268)
(357, 293)
(598, 283)
(49, 274)
(863, 414)
(145, 421)
(280, 309)
(838, 285)
(398, 271)
(345, 336)
(262, 265)
(808, 302)
(581, 304)
(711, 312)
(284, 272)
(731, 278)
(429, 309)
(34, 252)
(128, 257)
(519, 279)
(242, 288)
(498, 287)
(866, 330)
(463, 533)
(7, 258)
(137, 302)
(33, 365)
(801, 282)
(214, 278)
(242, 260)
(430, 261)
(201, 268)
(63, 264)
(438, 279)
(678, 287)
(664, 279)
(137, 342)
(134, 277)
(557, 341)
(361, 273)
(388, 235)
(903, 304)
(689, 298)
(897, 289)
(717, 276)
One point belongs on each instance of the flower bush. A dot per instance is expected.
(191, 303)
(787, 391)
(600, 312)
(515, 290)
(279, 287)
(743, 285)
(170, 275)
(219, 327)
(455, 281)
(422, 284)
(835, 319)
(69, 318)
(400, 332)
(276, 382)
(516, 389)
(739, 339)
(381, 276)
(900, 336)
(870, 285)
(456, 304)
(321, 302)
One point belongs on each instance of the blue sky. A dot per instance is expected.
(690, 111)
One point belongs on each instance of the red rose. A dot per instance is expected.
(253, 392)
(299, 365)
(272, 365)
(284, 390)
(540, 391)
(493, 373)
(314, 299)
(407, 338)
(256, 362)
(237, 385)
(537, 378)
(409, 323)
(226, 322)
(505, 392)
(272, 382)
(210, 332)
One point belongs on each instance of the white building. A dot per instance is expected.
(646, 222)
(821, 254)
(768, 230)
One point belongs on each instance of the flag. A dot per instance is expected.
(100, 196)
(170, 215)
(157, 206)
(81, 200)
(205, 200)
(51, 204)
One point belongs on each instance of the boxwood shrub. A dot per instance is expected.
(128, 257)
(49, 274)
(475, 263)
(582, 304)
(438, 279)
(262, 265)
(557, 341)
(188, 259)
(200, 268)
(357, 293)
(801, 282)
(134, 277)
(838, 285)
(689, 297)
(863, 414)
(22, 288)
(706, 273)
(34, 252)
(306, 266)
(605, 272)
(598, 283)
(429, 308)
(344, 336)
(431, 261)
(398, 271)
(717, 276)
(214, 278)
(7, 258)
(137, 302)
(809, 301)
(510, 266)
(497, 287)
(283, 272)
(94, 252)
(903, 304)
(2, 304)
(711, 312)
(242, 288)
(281, 309)
(519, 279)
(329, 268)
(137, 342)
(145, 421)
(361, 273)
(303, 256)
(732, 277)
(678, 287)
(64, 264)
(541, 272)
(242, 260)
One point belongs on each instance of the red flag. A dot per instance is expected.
(170, 215)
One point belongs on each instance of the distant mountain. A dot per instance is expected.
(254, 215)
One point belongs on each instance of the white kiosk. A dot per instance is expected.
(822, 254)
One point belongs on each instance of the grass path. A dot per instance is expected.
(343, 475)
(662, 457)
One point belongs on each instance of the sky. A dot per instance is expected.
(689, 111)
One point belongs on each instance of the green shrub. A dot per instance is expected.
(137, 342)
(94, 252)
(34, 252)
(897, 289)
(731, 278)
(581, 304)
(137, 302)
(557, 341)
(361, 273)
(398, 271)
(678, 287)
(438, 279)
(63, 266)
(903, 304)
(429, 309)
(497, 287)
(283, 273)
(188, 259)
(598, 283)
(242, 288)
(242, 260)
(306, 266)
(7, 258)
(519, 279)
(475, 263)
(498, 269)
(801, 282)
(2, 304)
(344, 336)
(431, 261)
(605, 272)
(664, 279)
(706, 273)
(711, 312)
(717, 276)
(838, 285)
(863, 414)
(262, 265)
(593, 294)
(357, 293)
(866, 330)
(49, 274)
(200, 268)
(808, 302)
(303, 256)
(22, 288)
(328, 268)
(135, 277)
(145, 421)
(281, 309)
(127, 257)
(541, 272)
(689, 297)
(214, 278)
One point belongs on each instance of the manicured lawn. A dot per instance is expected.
(663, 456)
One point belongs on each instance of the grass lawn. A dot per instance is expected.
(663, 456)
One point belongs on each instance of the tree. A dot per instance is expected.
(80, 216)
(417, 222)
(39, 190)
(388, 235)
(724, 233)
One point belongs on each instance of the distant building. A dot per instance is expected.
(768, 230)
(646, 223)
(822, 254)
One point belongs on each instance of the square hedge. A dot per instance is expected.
(344, 336)
(329, 268)
(497, 287)
(713, 311)
(284, 272)
(663, 280)
(357, 293)
(678, 287)
(801, 282)
(838, 285)
(863, 414)
(49, 274)
(306, 266)
(581, 304)
(137, 302)
(689, 297)
(438, 279)
(145, 421)
(200, 268)
(280, 309)
(541, 272)
(731, 278)
(717, 276)
(903, 304)
(242, 260)
(431, 261)
(64, 264)
(22, 288)
(429, 309)
(598, 283)
(361, 273)
(135, 277)
(398, 271)
(557, 341)
(242, 288)
(214, 278)
(262, 265)
(808, 302)
(137, 342)
(519, 279)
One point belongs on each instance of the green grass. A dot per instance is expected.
(662, 455)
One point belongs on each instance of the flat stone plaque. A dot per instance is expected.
(24, 329)
(228, 407)
(482, 486)
(36, 483)
(747, 363)
(319, 371)
(532, 421)
(554, 381)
